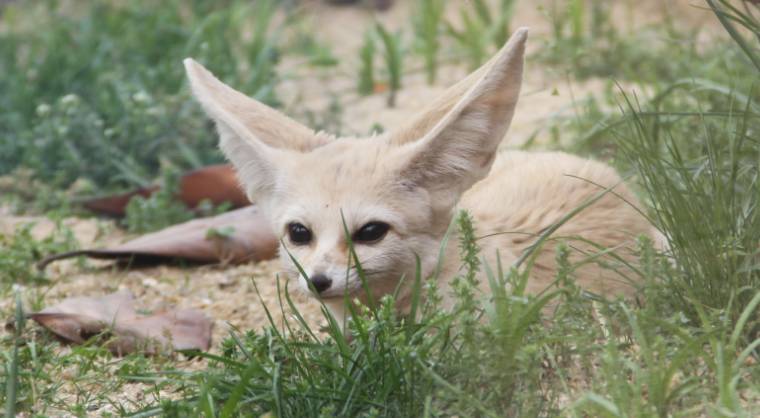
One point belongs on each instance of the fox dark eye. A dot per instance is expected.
(371, 232)
(299, 234)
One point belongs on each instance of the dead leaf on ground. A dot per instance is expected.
(234, 237)
(216, 183)
(77, 319)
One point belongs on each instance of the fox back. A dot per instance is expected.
(395, 194)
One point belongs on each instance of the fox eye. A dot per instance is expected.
(371, 232)
(299, 234)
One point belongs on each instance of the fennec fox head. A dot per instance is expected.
(394, 193)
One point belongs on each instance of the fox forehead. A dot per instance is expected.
(344, 167)
(346, 163)
(351, 179)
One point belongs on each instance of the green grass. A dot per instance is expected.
(11, 370)
(481, 29)
(162, 209)
(701, 169)
(20, 251)
(94, 99)
(428, 19)
(735, 17)
(70, 114)
(393, 58)
(366, 85)
(587, 43)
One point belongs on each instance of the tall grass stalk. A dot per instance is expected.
(428, 21)
(730, 16)
(481, 27)
(12, 367)
(393, 61)
(366, 83)
(702, 178)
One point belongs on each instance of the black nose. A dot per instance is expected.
(320, 282)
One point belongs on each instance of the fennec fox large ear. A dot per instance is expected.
(453, 143)
(252, 135)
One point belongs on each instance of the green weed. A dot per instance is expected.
(161, 209)
(481, 28)
(588, 43)
(20, 251)
(428, 23)
(393, 61)
(70, 112)
(732, 17)
(687, 162)
(11, 369)
(366, 84)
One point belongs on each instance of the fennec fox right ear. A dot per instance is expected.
(453, 144)
(252, 135)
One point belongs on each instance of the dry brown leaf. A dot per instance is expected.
(216, 183)
(77, 319)
(234, 237)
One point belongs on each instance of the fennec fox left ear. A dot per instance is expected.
(252, 135)
(453, 144)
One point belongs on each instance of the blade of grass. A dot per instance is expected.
(12, 368)
(725, 20)
(554, 227)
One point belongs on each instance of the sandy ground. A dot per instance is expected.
(228, 295)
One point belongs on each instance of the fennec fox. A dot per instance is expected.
(398, 192)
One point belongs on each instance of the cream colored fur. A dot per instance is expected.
(415, 179)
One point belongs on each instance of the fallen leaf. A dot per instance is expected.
(77, 319)
(234, 237)
(186, 329)
(216, 183)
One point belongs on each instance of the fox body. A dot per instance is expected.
(396, 194)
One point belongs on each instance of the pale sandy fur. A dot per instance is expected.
(527, 192)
